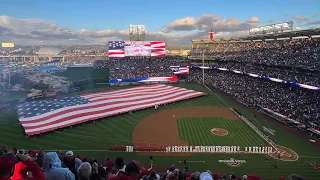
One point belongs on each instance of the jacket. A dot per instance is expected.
(22, 168)
(53, 170)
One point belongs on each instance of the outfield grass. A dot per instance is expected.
(91, 139)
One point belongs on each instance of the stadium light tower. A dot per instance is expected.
(137, 32)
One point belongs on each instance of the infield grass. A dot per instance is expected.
(196, 131)
(93, 139)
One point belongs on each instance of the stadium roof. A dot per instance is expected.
(49, 51)
(309, 33)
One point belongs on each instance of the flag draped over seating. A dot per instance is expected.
(46, 115)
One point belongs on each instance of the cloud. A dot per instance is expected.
(316, 15)
(313, 23)
(301, 18)
(211, 21)
(178, 32)
(184, 24)
(271, 21)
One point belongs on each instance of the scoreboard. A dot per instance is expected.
(136, 48)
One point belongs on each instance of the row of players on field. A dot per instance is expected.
(200, 149)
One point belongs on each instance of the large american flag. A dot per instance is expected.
(158, 48)
(46, 115)
(116, 49)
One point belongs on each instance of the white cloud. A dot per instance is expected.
(212, 21)
(39, 32)
(301, 18)
(184, 24)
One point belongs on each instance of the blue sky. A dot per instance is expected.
(175, 21)
(108, 14)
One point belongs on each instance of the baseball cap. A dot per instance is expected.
(7, 163)
(33, 154)
(133, 166)
(69, 153)
(205, 176)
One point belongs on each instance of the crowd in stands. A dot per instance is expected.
(132, 68)
(293, 75)
(38, 165)
(296, 103)
(296, 52)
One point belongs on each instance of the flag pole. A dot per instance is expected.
(203, 66)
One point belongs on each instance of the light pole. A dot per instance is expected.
(203, 66)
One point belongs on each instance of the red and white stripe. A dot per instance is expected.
(116, 53)
(105, 104)
(158, 48)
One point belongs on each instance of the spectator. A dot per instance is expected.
(27, 169)
(132, 172)
(195, 176)
(40, 156)
(53, 170)
(109, 165)
(205, 176)
(72, 163)
(154, 176)
(102, 171)
(244, 177)
(7, 163)
(95, 172)
(84, 171)
(120, 165)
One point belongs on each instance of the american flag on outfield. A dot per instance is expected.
(182, 70)
(158, 48)
(46, 115)
(116, 49)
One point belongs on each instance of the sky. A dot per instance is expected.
(62, 22)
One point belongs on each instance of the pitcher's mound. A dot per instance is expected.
(219, 132)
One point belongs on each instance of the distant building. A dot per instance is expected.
(49, 51)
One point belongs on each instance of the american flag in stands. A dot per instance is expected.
(46, 115)
(182, 70)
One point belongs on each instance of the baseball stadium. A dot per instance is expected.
(233, 107)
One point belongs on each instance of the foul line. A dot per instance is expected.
(310, 157)
(255, 120)
(246, 122)
(217, 96)
(193, 161)
(80, 150)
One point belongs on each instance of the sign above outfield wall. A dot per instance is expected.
(7, 45)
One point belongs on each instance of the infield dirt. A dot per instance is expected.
(161, 128)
